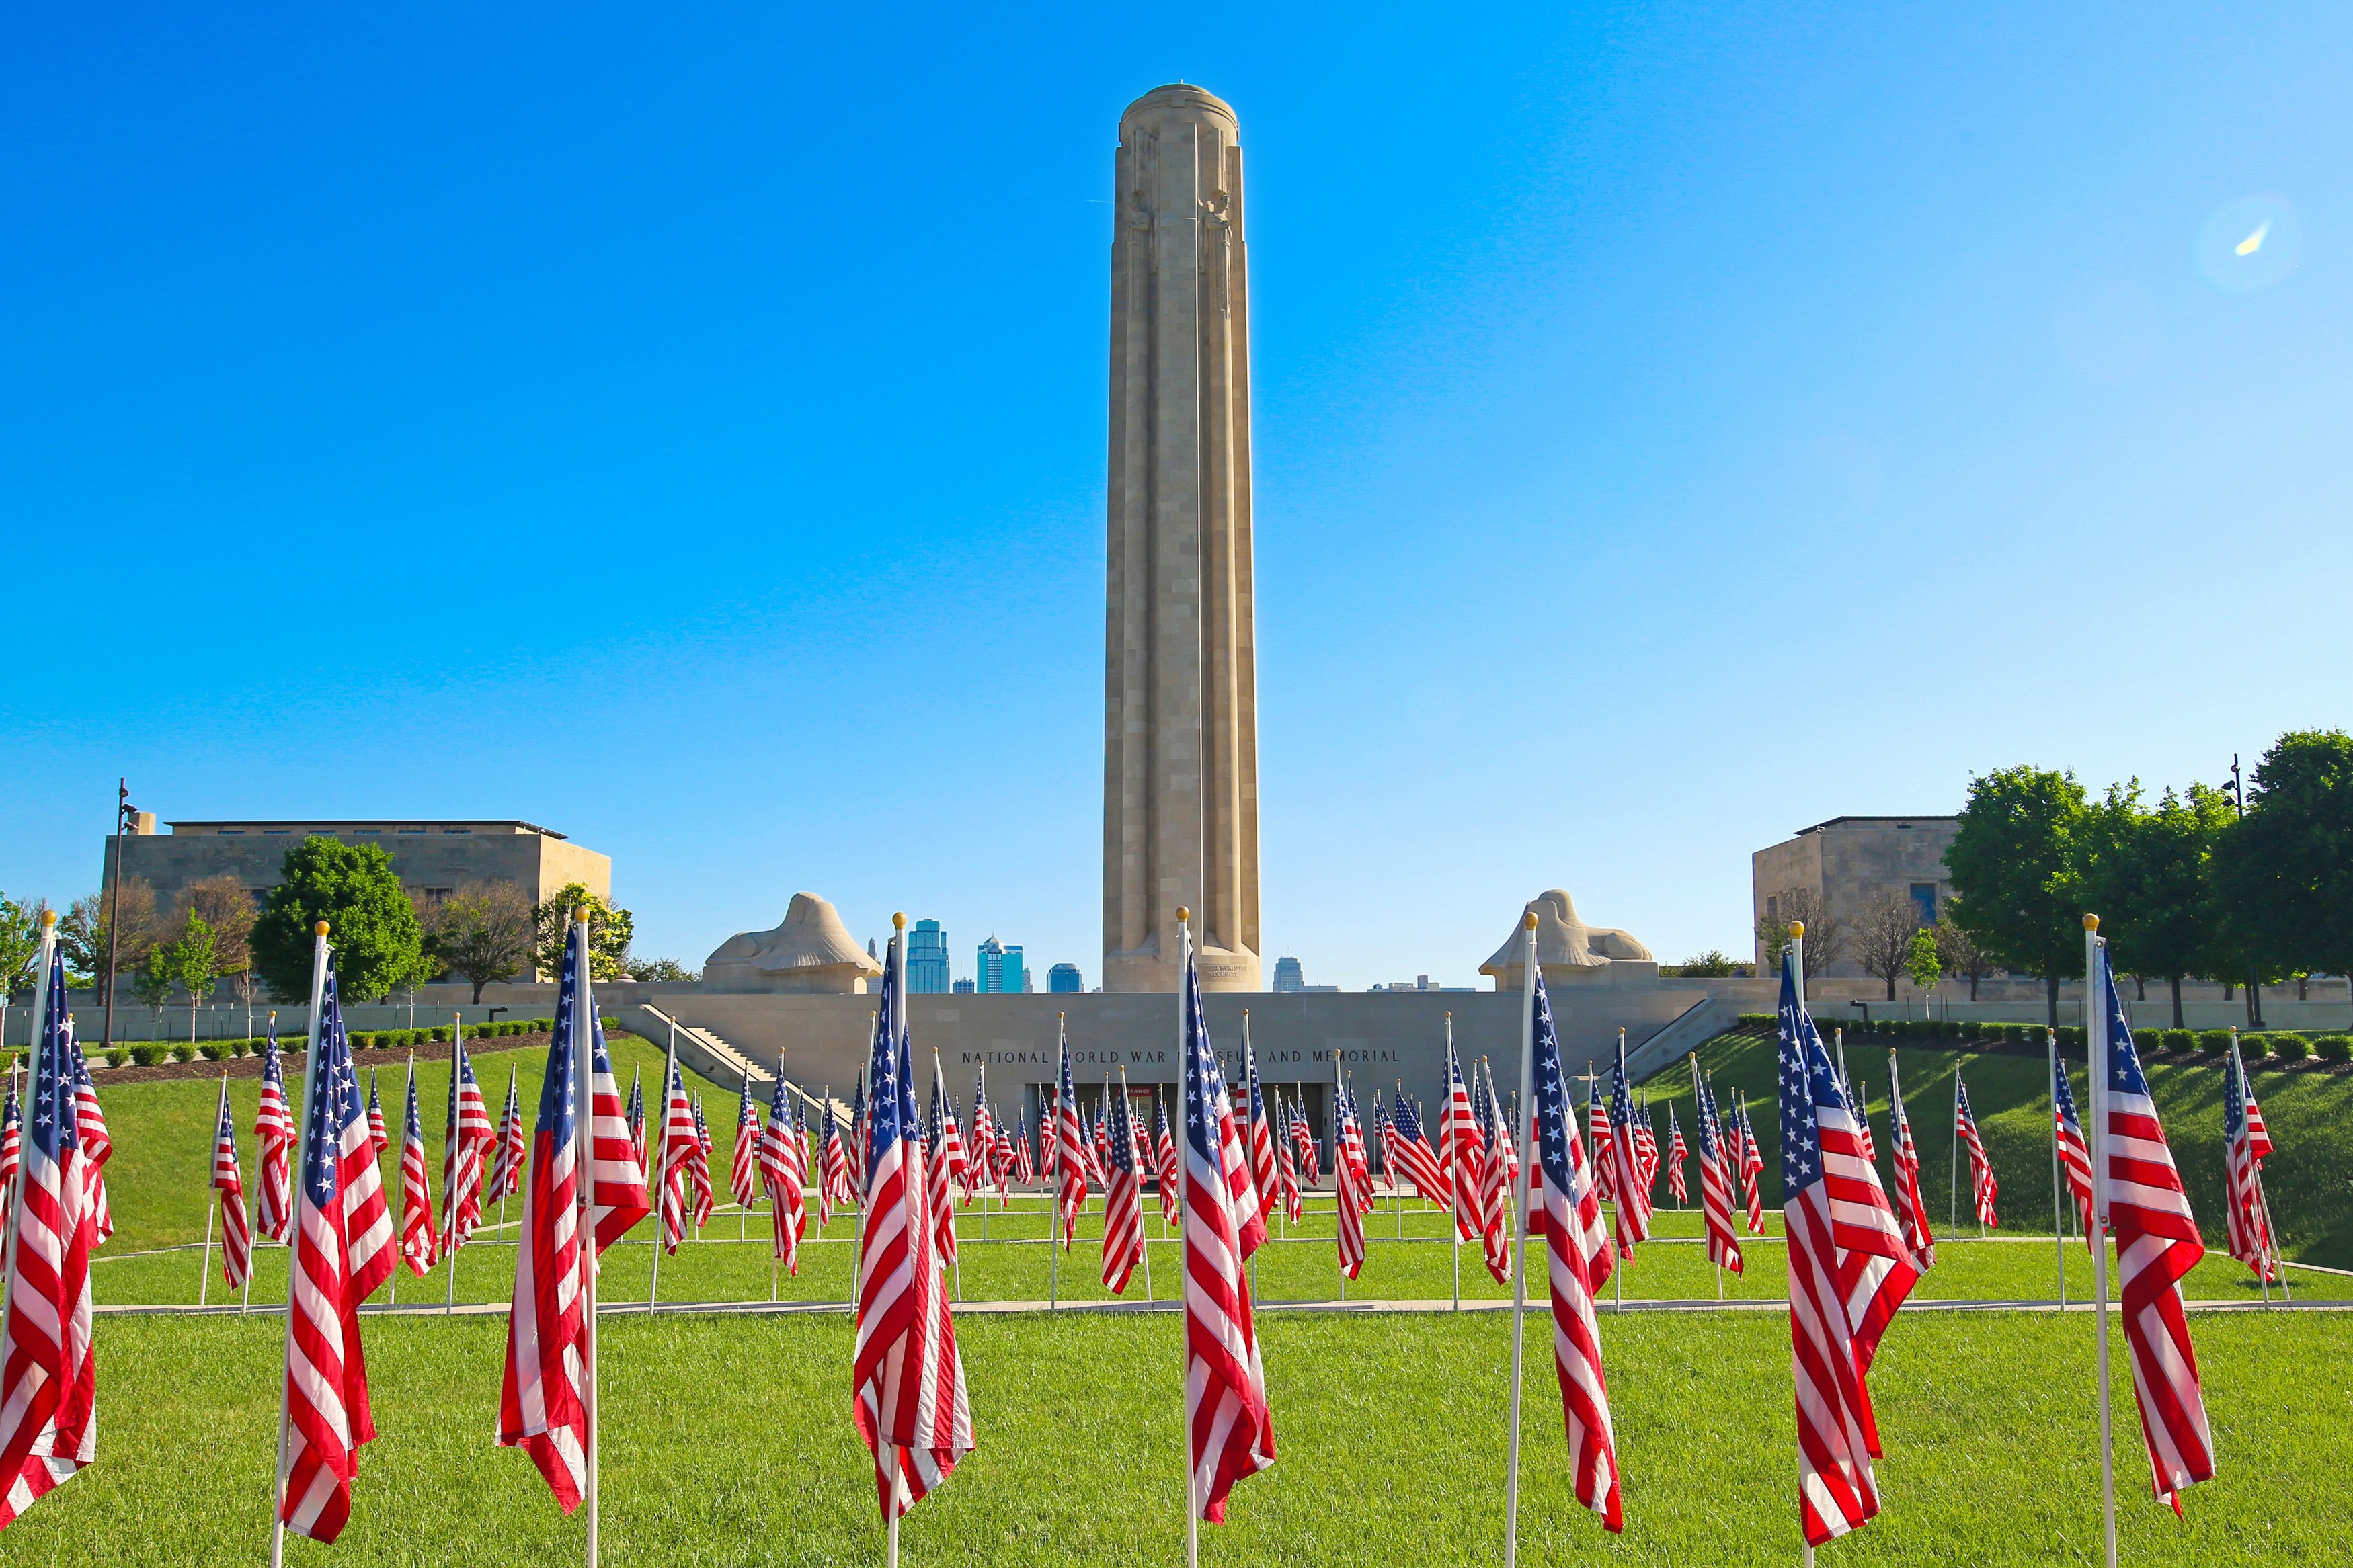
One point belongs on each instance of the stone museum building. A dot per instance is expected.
(1849, 862)
(430, 858)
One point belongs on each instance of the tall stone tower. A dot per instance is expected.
(1180, 689)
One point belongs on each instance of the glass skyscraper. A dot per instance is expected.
(999, 970)
(1065, 978)
(927, 960)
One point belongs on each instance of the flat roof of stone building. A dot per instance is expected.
(365, 825)
(1875, 822)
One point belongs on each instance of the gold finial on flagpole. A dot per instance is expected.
(1183, 914)
(1528, 921)
(1798, 929)
(49, 918)
(899, 919)
(580, 914)
(320, 928)
(2091, 922)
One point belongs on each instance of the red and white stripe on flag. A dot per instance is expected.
(1229, 1432)
(907, 1385)
(48, 1375)
(1566, 1212)
(228, 1186)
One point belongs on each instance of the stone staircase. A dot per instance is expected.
(1695, 1025)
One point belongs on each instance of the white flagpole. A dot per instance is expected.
(2246, 1092)
(1520, 1240)
(1053, 1198)
(1700, 1122)
(212, 1201)
(1797, 965)
(2058, 1196)
(1453, 1173)
(244, 1297)
(301, 1121)
(2095, 1030)
(450, 1200)
(896, 957)
(39, 1019)
(661, 1144)
(1339, 1159)
(1143, 1239)
(583, 1153)
(940, 1092)
(1953, 1173)
(1185, 1217)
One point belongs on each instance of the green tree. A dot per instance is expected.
(2013, 877)
(1961, 952)
(20, 942)
(190, 960)
(485, 930)
(2148, 875)
(373, 928)
(1825, 933)
(2284, 874)
(609, 933)
(671, 972)
(1923, 963)
(83, 931)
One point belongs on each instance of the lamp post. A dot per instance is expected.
(2238, 794)
(123, 816)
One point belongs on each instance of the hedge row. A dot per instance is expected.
(152, 1055)
(2286, 1045)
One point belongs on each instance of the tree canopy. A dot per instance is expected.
(377, 941)
(2012, 866)
(2286, 873)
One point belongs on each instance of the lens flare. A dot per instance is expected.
(2248, 244)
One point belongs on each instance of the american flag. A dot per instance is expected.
(1911, 1213)
(1386, 1165)
(1164, 1161)
(987, 1172)
(833, 1168)
(1413, 1156)
(906, 1379)
(1228, 1430)
(467, 1140)
(228, 1181)
(11, 1149)
(1350, 1199)
(378, 1134)
(419, 1246)
(1457, 1136)
(1101, 1148)
(637, 1117)
(744, 1162)
(678, 1148)
(1646, 1149)
(1859, 1095)
(48, 1377)
(550, 1378)
(1260, 1133)
(1982, 1187)
(1596, 1127)
(939, 1200)
(1286, 1163)
(1494, 1184)
(342, 1251)
(698, 1172)
(2157, 1243)
(855, 1143)
(2259, 1138)
(1676, 1153)
(1348, 1148)
(784, 1170)
(1751, 1166)
(1122, 1241)
(513, 1151)
(2250, 1238)
(2074, 1152)
(273, 1127)
(1025, 1165)
(1567, 1216)
(1071, 1155)
(98, 1145)
(959, 1158)
(1715, 1176)
(1303, 1138)
(1632, 1218)
(1828, 1212)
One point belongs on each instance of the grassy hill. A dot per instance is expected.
(2309, 1110)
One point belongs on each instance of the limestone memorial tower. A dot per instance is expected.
(1180, 688)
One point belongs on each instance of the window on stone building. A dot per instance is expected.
(1924, 897)
(1772, 906)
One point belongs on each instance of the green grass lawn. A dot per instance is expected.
(727, 1441)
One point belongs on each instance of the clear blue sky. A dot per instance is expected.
(683, 426)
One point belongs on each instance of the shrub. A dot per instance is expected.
(439, 1034)
(2256, 1046)
(2213, 1042)
(2178, 1039)
(115, 1057)
(146, 1055)
(2334, 1047)
(2074, 1037)
(210, 1053)
(1969, 1028)
(2292, 1047)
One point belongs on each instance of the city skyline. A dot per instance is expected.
(1831, 402)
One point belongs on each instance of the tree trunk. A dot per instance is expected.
(1973, 988)
(2254, 1005)
(1890, 988)
(2177, 1002)
(2050, 991)
(2140, 987)
(478, 991)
